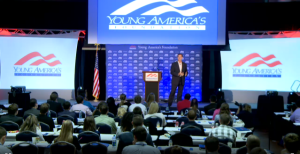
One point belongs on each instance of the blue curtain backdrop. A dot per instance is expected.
(125, 64)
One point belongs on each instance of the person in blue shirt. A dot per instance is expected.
(81, 92)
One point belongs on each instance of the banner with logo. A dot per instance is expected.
(261, 64)
(186, 22)
(37, 62)
(125, 64)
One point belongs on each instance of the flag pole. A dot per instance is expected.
(97, 48)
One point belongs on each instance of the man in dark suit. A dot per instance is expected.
(179, 72)
(67, 107)
(54, 105)
(12, 115)
(192, 116)
(212, 105)
(33, 104)
(59, 100)
(126, 138)
(43, 116)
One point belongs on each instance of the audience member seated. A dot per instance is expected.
(224, 110)
(258, 150)
(291, 144)
(138, 100)
(212, 105)
(121, 112)
(252, 142)
(150, 99)
(212, 145)
(43, 116)
(123, 102)
(31, 124)
(295, 116)
(3, 149)
(34, 108)
(105, 119)
(12, 115)
(126, 124)
(97, 111)
(153, 111)
(54, 105)
(139, 143)
(186, 103)
(176, 150)
(112, 105)
(194, 106)
(59, 100)
(192, 116)
(81, 92)
(66, 134)
(80, 106)
(67, 107)
(244, 113)
(218, 106)
(138, 110)
(89, 125)
(224, 130)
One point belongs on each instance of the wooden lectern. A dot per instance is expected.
(152, 80)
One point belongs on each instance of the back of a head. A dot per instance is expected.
(123, 99)
(176, 150)
(89, 124)
(192, 115)
(137, 99)
(103, 109)
(150, 98)
(80, 91)
(126, 123)
(213, 98)
(66, 133)
(121, 111)
(224, 109)
(291, 142)
(110, 101)
(33, 102)
(252, 142)
(137, 120)
(137, 110)
(225, 119)
(2, 132)
(13, 108)
(194, 104)
(258, 150)
(67, 105)
(247, 107)
(29, 124)
(140, 133)
(53, 96)
(44, 108)
(187, 96)
(153, 108)
(211, 144)
(79, 99)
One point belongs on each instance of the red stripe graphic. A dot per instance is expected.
(254, 55)
(41, 61)
(259, 62)
(38, 62)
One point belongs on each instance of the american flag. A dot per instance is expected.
(96, 87)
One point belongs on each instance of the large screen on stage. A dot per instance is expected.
(125, 64)
(262, 64)
(186, 22)
(37, 62)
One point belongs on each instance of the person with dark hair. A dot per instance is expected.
(212, 145)
(194, 106)
(137, 110)
(126, 124)
(149, 100)
(34, 108)
(81, 92)
(252, 142)
(224, 110)
(89, 125)
(212, 105)
(12, 115)
(295, 115)
(105, 119)
(176, 150)
(81, 107)
(258, 150)
(112, 105)
(138, 103)
(123, 102)
(67, 107)
(224, 129)
(179, 72)
(97, 111)
(54, 105)
(291, 144)
(3, 149)
(244, 113)
(186, 103)
(192, 116)
(43, 116)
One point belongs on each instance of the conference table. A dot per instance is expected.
(209, 123)
(173, 111)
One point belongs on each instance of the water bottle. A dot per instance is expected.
(49, 114)
(182, 123)
(170, 143)
(80, 114)
(114, 141)
(234, 120)
(181, 113)
(167, 109)
(157, 124)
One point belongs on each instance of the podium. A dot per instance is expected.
(152, 80)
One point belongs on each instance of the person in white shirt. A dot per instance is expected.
(153, 113)
(31, 124)
(3, 134)
(86, 110)
(138, 100)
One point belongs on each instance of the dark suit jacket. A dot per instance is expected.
(126, 139)
(59, 100)
(55, 106)
(13, 118)
(32, 111)
(46, 120)
(193, 123)
(72, 114)
(175, 70)
(210, 106)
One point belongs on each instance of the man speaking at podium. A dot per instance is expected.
(179, 72)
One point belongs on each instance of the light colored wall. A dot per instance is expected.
(42, 94)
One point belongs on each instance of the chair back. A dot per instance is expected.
(182, 140)
(184, 151)
(25, 116)
(94, 148)
(77, 113)
(88, 136)
(62, 147)
(211, 111)
(154, 120)
(185, 111)
(61, 118)
(26, 136)
(242, 150)
(109, 114)
(103, 128)
(53, 114)
(9, 125)
(225, 140)
(45, 127)
(118, 120)
(224, 149)
(24, 147)
(184, 119)
(192, 130)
